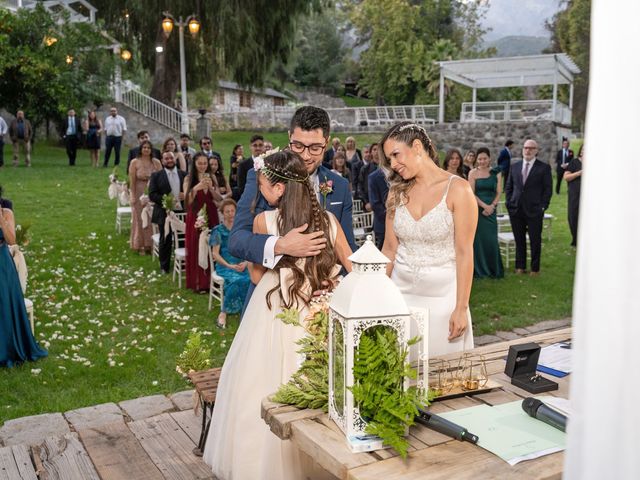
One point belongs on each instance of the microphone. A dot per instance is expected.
(537, 409)
(441, 425)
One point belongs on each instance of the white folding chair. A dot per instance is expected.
(155, 237)
(547, 223)
(363, 226)
(179, 254)
(357, 206)
(123, 216)
(216, 284)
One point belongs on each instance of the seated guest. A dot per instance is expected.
(17, 344)
(378, 192)
(453, 163)
(143, 136)
(486, 183)
(256, 145)
(340, 166)
(232, 269)
(469, 162)
(170, 145)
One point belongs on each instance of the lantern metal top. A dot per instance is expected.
(368, 254)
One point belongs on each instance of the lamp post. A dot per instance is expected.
(194, 27)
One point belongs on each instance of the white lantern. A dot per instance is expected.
(366, 298)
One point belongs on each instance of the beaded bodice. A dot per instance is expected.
(428, 241)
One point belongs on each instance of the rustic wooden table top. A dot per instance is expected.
(432, 455)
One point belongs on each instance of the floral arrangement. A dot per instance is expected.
(23, 234)
(168, 201)
(258, 162)
(196, 356)
(202, 220)
(325, 188)
(113, 177)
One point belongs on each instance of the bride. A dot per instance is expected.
(263, 354)
(430, 225)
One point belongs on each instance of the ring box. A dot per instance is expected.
(522, 363)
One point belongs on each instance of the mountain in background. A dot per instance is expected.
(518, 17)
(518, 45)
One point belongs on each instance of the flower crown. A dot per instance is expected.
(271, 171)
(415, 126)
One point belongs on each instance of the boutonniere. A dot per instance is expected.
(325, 189)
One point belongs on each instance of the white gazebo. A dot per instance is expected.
(551, 69)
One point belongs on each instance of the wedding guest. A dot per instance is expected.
(170, 145)
(363, 180)
(72, 136)
(232, 269)
(528, 192)
(573, 176)
(237, 155)
(328, 155)
(143, 136)
(115, 126)
(486, 183)
(378, 192)
(17, 343)
(504, 160)
(468, 162)
(187, 151)
(200, 192)
(431, 219)
(206, 147)
(354, 155)
(267, 145)
(93, 130)
(453, 163)
(355, 168)
(4, 128)
(256, 145)
(221, 183)
(167, 181)
(140, 171)
(563, 157)
(21, 133)
(340, 166)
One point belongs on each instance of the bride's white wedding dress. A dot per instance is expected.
(263, 356)
(425, 271)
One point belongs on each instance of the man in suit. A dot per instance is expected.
(563, 157)
(206, 147)
(72, 135)
(143, 136)
(528, 193)
(163, 182)
(378, 192)
(308, 136)
(504, 160)
(327, 161)
(367, 169)
(256, 145)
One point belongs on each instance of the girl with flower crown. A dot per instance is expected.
(263, 354)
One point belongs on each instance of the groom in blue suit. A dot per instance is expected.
(308, 136)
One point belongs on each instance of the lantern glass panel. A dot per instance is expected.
(338, 368)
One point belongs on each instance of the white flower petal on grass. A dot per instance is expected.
(36, 371)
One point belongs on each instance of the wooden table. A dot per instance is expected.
(432, 455)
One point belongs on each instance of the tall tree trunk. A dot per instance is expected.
(166, 77)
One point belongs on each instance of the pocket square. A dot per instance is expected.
(335, 203)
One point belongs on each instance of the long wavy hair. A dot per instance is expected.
(297, 206)
(193, 177)
(407, 133)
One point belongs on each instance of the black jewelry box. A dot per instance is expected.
(522, 363)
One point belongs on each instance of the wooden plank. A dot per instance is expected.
(191, 424)
(460, 461)
(427, 436)
(280, 423)
(327, 448)
(497, 397)
(15, 463)
(65, 458)
(117, 454)
(461, 402)
(169, 448)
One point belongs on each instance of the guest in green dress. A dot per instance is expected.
(486, 183)
(234, 271)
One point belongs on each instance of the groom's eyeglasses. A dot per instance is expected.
(314, 149)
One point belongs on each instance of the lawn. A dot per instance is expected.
(113, 324)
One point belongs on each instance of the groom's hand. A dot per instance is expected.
(298, 244)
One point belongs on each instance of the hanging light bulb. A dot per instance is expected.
(126, 55)
(69, 60)
(194, 26)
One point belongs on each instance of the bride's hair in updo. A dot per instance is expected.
(297, 206)
(407, 133)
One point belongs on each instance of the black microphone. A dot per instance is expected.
(450, 429)
(537, 409)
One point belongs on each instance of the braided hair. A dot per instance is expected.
(407, 133)
(297, 206)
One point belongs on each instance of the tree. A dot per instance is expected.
(571, 33)
(48, 66)
(238, 40)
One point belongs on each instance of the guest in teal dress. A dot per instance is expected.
(232, 269)
(17, 344)
(486, 183)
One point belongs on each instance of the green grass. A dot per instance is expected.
(358, 101)
(114, 325)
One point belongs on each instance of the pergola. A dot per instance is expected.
(551, 69)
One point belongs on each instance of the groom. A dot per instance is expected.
(308, 137)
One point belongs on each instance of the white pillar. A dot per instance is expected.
(441, 110)
(473, 104)
(183, 79)
(555, 93)
(571, 96)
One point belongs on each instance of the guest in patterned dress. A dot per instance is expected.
(232, 269)
(140, 171)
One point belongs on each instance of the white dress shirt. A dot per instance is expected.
(115, 126)
(524, 164)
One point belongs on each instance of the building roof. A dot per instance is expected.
(270, 92)
(511, 71)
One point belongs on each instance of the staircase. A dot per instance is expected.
(149, 107)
